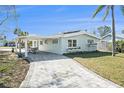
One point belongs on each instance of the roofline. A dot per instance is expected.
(36, 37)
(93, 36)
(56, 36)
(111, 35)
(82, 34)
(105, 35)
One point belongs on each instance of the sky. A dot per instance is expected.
(52, 19)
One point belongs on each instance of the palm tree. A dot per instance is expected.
(108, 8)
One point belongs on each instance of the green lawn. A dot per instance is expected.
(103, 64)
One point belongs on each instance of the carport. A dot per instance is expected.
(35, 42)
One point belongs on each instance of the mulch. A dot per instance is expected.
(16, 73)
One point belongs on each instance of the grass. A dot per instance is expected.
(103, 63)
(12, 70)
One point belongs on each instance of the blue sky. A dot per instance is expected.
(48, 20)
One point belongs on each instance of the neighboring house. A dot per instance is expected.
(105, 42)
(66, 42)
(108, 37)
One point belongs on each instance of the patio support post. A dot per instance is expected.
(19, 42)
(26, 48)
(32, 43)
(16, 45)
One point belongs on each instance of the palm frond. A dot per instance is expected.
(122, 9)
(98, 10)
(106, 12)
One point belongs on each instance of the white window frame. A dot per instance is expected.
(72, 43)
(90, 41)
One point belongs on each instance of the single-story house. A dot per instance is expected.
(65, 42)
(108, 37)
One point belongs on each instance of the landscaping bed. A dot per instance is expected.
(103, 63)
(12, 70)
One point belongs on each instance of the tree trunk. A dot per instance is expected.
(113, 31)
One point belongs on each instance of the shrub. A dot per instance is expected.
(120, 46)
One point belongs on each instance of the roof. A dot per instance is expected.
(64, 34)
(75, 33)
(36, 37)
(117, 36)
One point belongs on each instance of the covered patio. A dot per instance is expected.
(31, 43)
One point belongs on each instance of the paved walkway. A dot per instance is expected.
(52, 70)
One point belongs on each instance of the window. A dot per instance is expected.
(72, 43)
(41, 42)
(55, 41)
(69, 43)
(46, 42)
(90, 41)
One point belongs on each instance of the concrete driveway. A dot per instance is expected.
(51, 70)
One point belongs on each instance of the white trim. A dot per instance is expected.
(26, 48)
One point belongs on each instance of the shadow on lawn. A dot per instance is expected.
(88, 54)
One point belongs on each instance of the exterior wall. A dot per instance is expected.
(33, 43)
(103, 46)
(62, 45)
(50, 47)
(81, 42)
(108, 38)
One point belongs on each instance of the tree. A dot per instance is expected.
(122, 31)
(6, 13)
(17, 30)
(108, 8)
(94, 32)
(104, 30)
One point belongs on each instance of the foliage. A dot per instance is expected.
(120, 46)
(18, 32)
(122, 9)
(122, 31)
(98, 10)
(94, 32)
(6, 12)
(108, 8)
(104, 30)
(30, 43)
